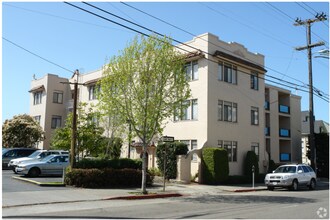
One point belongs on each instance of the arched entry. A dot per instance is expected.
(184, 165)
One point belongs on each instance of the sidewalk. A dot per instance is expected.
(72, 194)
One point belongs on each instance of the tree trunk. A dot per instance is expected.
(144, 170)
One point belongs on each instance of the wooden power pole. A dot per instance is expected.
(308, 47)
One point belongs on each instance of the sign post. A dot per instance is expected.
(253, 177)
(165, 139)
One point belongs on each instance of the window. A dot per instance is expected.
(192, 70)
(231, 147)
(56, 121)
(255, 148)
(227, 111)
(254, 81)
(93, 90)
(191, 144)
(254, 116)
(37, 118)
(37, 96)
(188, 113)
(227, 73)
(194, 109)
(58, 97)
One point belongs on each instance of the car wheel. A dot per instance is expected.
(312, 184)
(270, 188)
(294, 186)
(34, 172)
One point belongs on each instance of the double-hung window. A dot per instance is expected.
(254, 81)
(231, 147)
(190, 112)
(93, 90)
(254, 116)
(227, 73)
(56, 121)
(255, 148)
(58, 97)
(227, 111)
(37, 97)
(192, 70)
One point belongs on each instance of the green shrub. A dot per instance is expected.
(155, 171)
(272, 166)
(215, 166)
(172, 150)
(120, 163)
(251, 159)
(105, 178)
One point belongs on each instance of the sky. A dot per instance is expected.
(72, 39)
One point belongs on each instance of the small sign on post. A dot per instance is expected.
(165, 139)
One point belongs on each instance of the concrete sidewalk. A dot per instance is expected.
(72, 194)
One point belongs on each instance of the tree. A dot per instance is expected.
(144, 85)
(89, 134)
(21, 131)
(322, 154)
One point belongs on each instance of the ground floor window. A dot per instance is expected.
(231, 147)
(191, 144)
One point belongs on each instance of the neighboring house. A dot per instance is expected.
(227, 108)
(319, 127)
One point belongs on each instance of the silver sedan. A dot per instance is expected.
(50, 165)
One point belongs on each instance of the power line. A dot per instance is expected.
(312, 13)
(34, 54)
(204, 39)
(144, 34)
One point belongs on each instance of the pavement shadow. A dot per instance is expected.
(244, 199)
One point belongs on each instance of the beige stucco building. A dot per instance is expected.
(227, 107)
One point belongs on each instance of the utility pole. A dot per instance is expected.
(74, 119)
(307, 23)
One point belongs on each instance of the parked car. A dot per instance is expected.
(13, 153)
(37, 155)
(291, 176)
(50, 165)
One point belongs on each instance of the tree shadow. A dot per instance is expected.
(244, 199)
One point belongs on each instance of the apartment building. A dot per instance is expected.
(227, 106)
(282, 125)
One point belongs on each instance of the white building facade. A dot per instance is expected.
(227, 106)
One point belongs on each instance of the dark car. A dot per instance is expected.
(12, 153)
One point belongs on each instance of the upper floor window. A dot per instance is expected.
(254, 81)
(37, 97)
(58, 97)
(192, 70)
(92, 92)
(56, 121)
(190, 112)
(254, 116)
(227, 73)
(227, 111)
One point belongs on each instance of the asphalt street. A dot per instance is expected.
(198, 201)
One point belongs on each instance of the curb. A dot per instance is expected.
(245, 190)
(150, 196)
(55, 184)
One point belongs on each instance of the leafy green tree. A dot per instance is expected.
(322, 154)
(144, 85)
(89, 133)
(251, 160)
(21, 131)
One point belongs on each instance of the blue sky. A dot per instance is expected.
(74, 39)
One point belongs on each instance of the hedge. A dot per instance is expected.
(215, 165)
(105, 178)
(251, 159)
(120, 163)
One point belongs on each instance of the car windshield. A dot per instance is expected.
(4, 150)
(34, 154)
(286, 169)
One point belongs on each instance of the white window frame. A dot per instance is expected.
(227, 73)
(227, 111)
(37, 97)
(254, 116)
